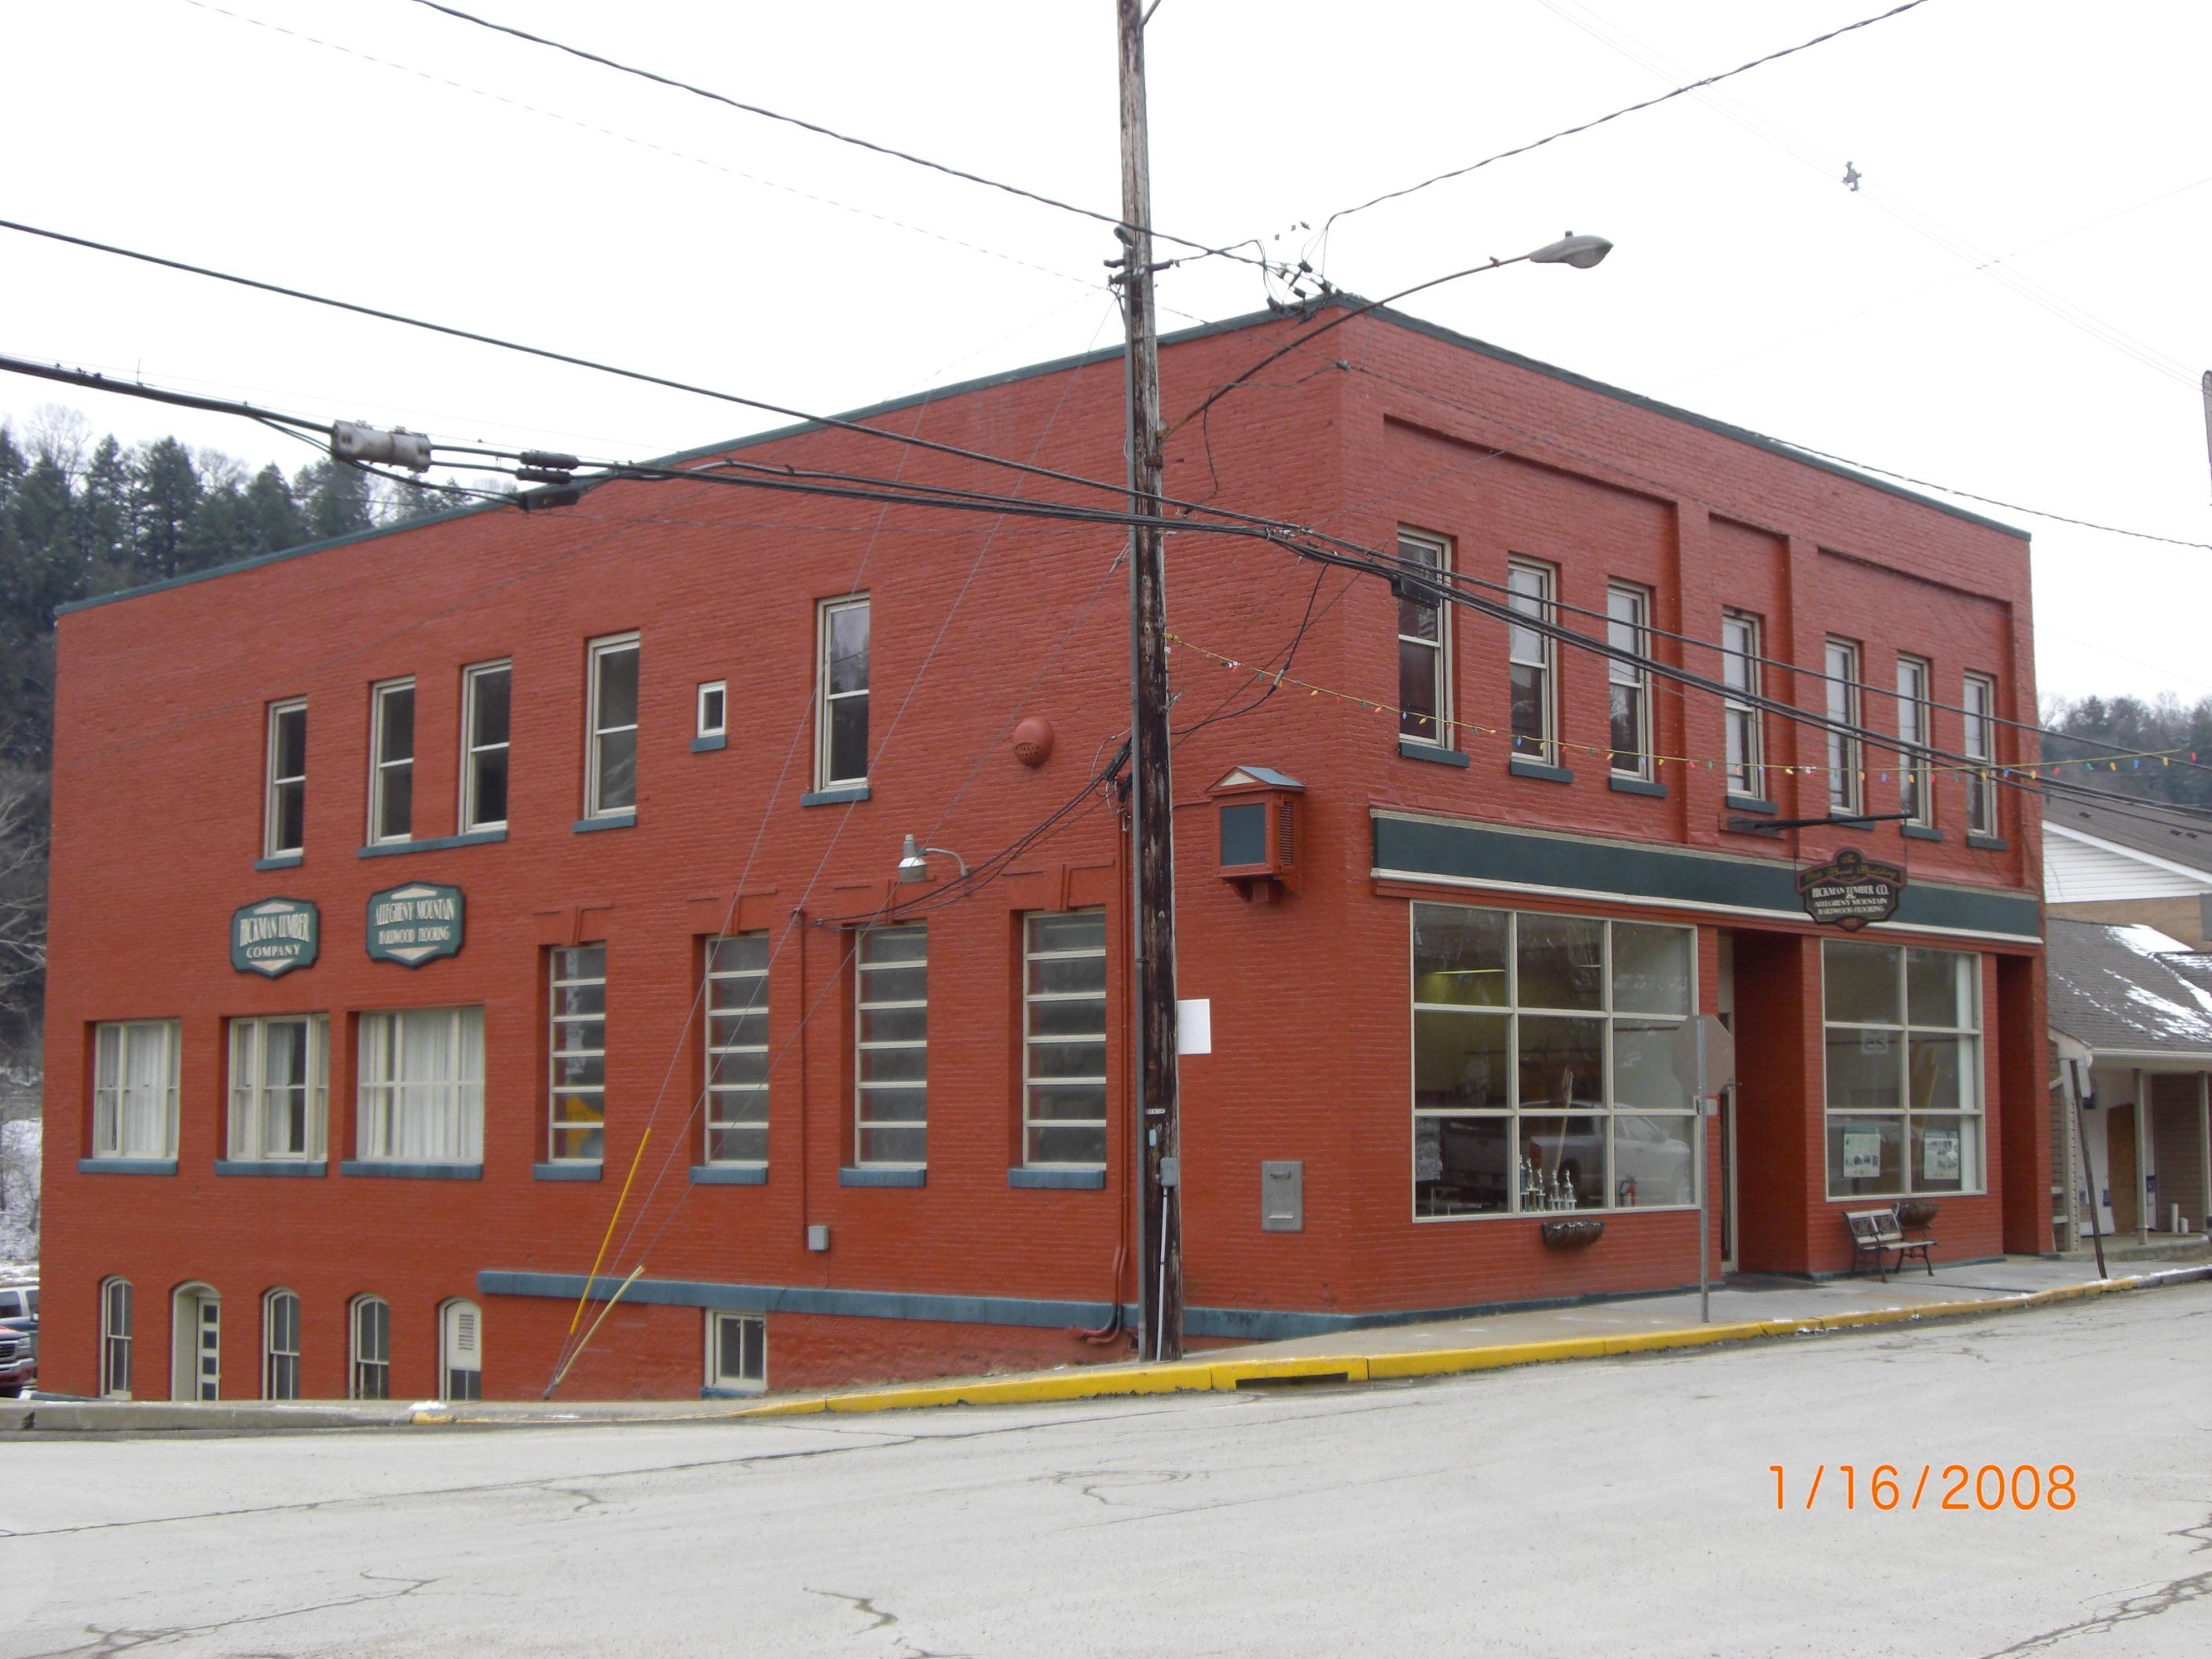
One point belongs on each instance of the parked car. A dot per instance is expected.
(19, 1302)
(19, 1359)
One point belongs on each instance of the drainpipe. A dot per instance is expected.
(2204, 1151)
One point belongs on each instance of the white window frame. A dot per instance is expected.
(1540, 605)
(116, 1315)
(1915, 777)
(751, 1333)
(280, 1365)
(1743, 726)
(564, 972)
(596, 734)
(1033, 998)
(381, 1102)
(112, 1120)
(1846, 760)
(1979, 699)
(825, 776)
(251, 1120)
(1631, 631)
(1513, 1110)
(1900, 1034)
(716, 724)
(460, 1332)
(362, 1366)
(748, 989)
(471, 677)
(274, 783)
(1412, 545)
(381, 768)
(863, 1046)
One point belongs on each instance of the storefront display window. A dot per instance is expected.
(1904, 1070)
(1543, 1076)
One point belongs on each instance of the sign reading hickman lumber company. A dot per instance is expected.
(275, 936)
(1850, 892)
(415, 924)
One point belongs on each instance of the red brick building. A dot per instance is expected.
(404, 887)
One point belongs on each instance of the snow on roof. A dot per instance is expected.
(2118, 987)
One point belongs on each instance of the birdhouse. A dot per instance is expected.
(1258, 846)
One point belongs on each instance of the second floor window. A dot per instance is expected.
(891, 1046)
(485, 691)
(134, 1090)
(284, 827)
(391, 762)
(842, 710)
(1842, 668)
(577, 1107)
(1916, 796)
(1981, 705)
(1627, 628)
(1424, 652)
(422, 1087)
(279, 1087)
(1742, 732)
(610, 761)
(1529, 654)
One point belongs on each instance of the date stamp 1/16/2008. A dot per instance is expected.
(1959, 1487)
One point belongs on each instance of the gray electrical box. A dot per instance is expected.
(1282, 1196)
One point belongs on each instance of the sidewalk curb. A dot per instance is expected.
(1102, 1383)
(1201, 1376)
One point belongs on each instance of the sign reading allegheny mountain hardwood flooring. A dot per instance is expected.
(415, 924)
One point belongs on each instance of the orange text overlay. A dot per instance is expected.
(1955, 1486)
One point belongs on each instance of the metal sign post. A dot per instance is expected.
(1705, 1064)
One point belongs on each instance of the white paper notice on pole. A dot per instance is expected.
(1194, 1025)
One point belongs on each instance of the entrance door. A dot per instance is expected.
(2120, 1163)
(195, 1345)
(461, 1347)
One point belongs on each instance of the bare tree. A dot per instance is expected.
(23, 796)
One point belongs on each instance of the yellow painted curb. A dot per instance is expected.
(1199, 1376)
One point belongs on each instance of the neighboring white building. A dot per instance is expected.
(2136, 863)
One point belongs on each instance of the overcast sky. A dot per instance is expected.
(2012, 303)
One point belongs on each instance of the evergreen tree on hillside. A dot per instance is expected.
(335, 500)
(165, 492)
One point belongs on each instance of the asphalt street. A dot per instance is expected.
(1624, 1506)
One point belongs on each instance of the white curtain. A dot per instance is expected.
(149, 1078)
(433, 1083)
(106, 1090)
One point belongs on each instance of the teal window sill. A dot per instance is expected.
(282, 861)
(870, 1176)
(716, 1391)
(313, 1170)
(1990, 843)
(1076, 1180)
(707, 745)
(843, 794)
(606, 821)
(397, 1171)
(1751, 804)
(1414, 750)
(153, 1166)
(436, 844)
(1523, 767)
(1623, 785)
(564, 1171)
(1922, 832)
(729, 1174)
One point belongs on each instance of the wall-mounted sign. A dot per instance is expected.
(1862, 1154)
(415, 924)
(275, 936)
(1850, 892)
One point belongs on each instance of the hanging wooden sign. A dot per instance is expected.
(274, 937)
(1850, 891)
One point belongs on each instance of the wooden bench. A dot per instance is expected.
(1874, 1231)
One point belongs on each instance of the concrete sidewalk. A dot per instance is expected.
(1747, 1308)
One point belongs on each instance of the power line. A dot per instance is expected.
(1630, 109)
(832, 133)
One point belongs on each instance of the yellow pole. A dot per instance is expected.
(576, 1318)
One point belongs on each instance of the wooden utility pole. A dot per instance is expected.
(1151, 862)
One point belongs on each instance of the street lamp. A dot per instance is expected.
(913, 861)
(1580, 251)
